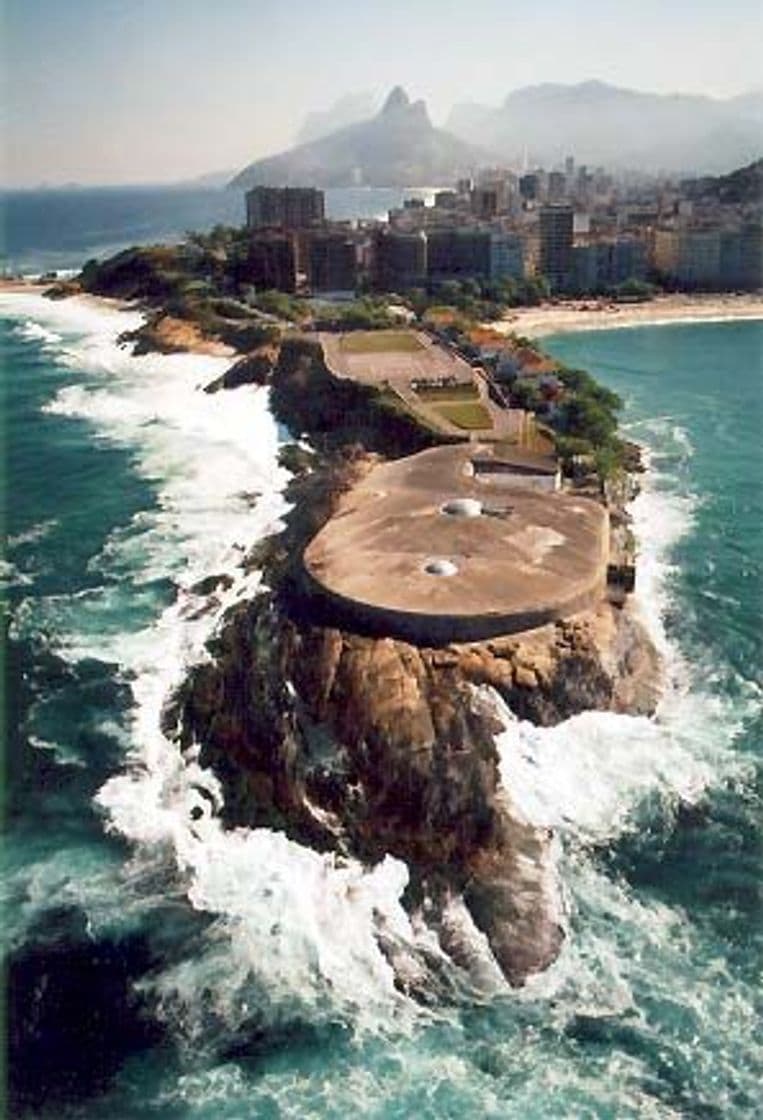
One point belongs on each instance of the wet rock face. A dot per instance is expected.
(253, 369)
(420, 763)
(371, 746)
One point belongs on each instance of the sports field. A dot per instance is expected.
(398, 357)
(380, 342)
(469, 415)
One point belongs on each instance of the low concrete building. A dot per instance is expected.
(500, 465)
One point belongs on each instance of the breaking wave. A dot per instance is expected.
(298, 937)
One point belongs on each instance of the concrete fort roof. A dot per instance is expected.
(523, 459)
(374, 357)
(394, 559)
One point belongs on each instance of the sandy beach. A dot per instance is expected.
(30, 287)
(593, 314)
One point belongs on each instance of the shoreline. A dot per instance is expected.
(549, 318)
(170, 335)
(439, 743)
(600, 314)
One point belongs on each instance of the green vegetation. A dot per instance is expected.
(634, 290)
(381, 342)
(365, 314)
(526, 393)
(280, 305)
(477, 298)
(447, 393)
(394, 405)
(471, 416)
(586, 423)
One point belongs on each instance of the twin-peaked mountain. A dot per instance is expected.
(398, 147)
(617, 128)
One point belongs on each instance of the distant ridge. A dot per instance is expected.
(350, 109)
(740, 186)
(397, 147)
(618, 128)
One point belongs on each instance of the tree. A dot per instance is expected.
(636, 289)
(526, 393)
(586, 418)
(607, 463)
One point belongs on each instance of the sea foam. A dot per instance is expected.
(213, 461)
(297, 932)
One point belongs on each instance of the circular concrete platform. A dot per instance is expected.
(526, 558)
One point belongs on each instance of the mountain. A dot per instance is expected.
(350, 109)
(210, 179)
(740, 186)
(397, 147)
(618, 128)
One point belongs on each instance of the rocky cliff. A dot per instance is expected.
(367, 745)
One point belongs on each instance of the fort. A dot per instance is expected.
(432, 550)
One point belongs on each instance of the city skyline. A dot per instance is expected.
(124, 91)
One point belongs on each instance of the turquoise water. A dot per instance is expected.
(160, 966)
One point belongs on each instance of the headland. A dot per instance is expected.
(458, 545)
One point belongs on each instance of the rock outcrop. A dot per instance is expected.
(368, 745)
(372, 746)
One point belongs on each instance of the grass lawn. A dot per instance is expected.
(465, 414)
(380, 342)
(448, 393)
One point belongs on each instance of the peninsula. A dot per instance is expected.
(458, 549)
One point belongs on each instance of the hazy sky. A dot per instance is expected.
(107, 91)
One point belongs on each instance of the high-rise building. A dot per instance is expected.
(741, 259)
(557, 186)
(710, 257)
(458, 253)
(529, 187)
(331, 261)
(600, 265)
(591, 265)
(491, 196)
(628, 260)
(556, 244)
(271, 262)
(399, 259)
(284, 207)
(689, 257)
(507, 256)
(446, 200)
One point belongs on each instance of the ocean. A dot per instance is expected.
(160, 966)
(59, 228)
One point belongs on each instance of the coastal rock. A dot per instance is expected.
(166, 334)
(370, 746)
(254, 369)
